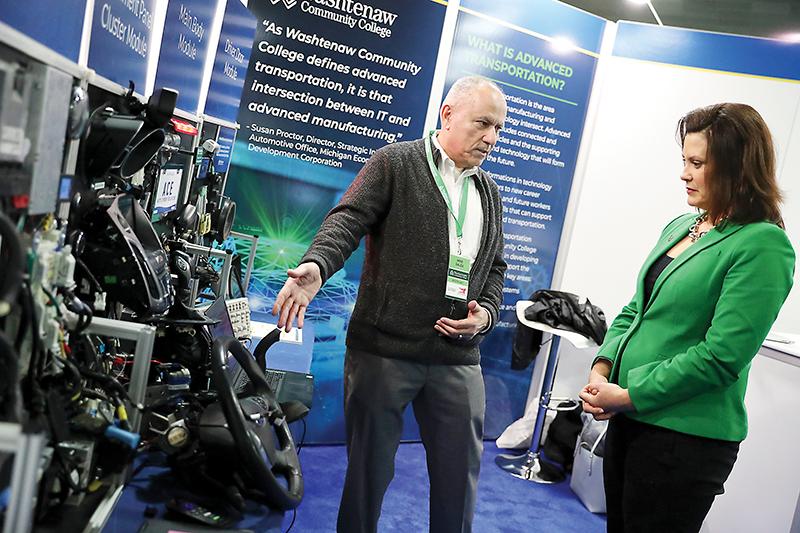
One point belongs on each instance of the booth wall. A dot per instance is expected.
(632, 184)
(632, 188)
(762, 492)
(789, 319)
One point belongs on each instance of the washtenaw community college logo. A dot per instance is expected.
(288, 3)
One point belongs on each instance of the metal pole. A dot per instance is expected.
(24, 477)
(530, 465)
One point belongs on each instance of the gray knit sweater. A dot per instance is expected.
(394, 202)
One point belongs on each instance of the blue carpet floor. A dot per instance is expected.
(505, 504)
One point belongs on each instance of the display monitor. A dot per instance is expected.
(287, 385)
(202, 168)
(166, 192)
(224, 328)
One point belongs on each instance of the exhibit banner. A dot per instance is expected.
(230, 62)
(35, 19)
(121, 40)
(329, 83)
(184, 48)
(538, 61)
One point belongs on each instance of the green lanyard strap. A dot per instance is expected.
(437, 177)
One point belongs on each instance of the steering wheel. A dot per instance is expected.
(252, 430)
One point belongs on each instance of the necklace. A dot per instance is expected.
(695, 235)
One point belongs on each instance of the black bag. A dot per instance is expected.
(559, 447)
(527, 342)
(560, 310)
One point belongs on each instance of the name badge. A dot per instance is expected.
(458, 278)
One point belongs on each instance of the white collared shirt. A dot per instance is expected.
(473, 222)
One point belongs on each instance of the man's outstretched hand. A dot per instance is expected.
(298, 291)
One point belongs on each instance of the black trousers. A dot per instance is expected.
(659, 480)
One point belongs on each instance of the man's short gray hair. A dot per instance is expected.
(466, 86)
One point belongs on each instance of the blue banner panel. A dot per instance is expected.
(223, 156)
(36, 19)
(120, 45)
(547, 92)
(714, 51)
(183, 49)
(230, 62)
(546, 17)
(327, 86)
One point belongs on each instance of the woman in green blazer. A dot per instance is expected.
(672, 372)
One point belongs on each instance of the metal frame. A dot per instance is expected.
(106, 506)
(144, 336)
(27, 449)
(227, 172)
(187, 115)
(225, 276)
(34, 49)
(778, 355)
(220, 122)
(251, 258)
(443, 62)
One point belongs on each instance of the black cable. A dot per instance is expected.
(9, 363)
(294, 517)
(36, 399)
(545, 342)
(52, 301)
(25, 322)
(113, 384)
(67, 465)
(72, 370)
(96, 394)
(303, 438)
(12, 272)
(93, 280)
(80, 167)
(299, 447)
(77, 306)
(117, 393)
(236, 275)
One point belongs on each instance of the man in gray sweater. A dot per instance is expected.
(430, 291)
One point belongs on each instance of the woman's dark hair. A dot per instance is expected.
(740, 161)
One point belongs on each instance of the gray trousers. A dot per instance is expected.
(449, 403)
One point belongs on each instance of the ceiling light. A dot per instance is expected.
(649, 4)
(562, 44)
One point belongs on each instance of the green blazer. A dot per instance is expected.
(685, 356)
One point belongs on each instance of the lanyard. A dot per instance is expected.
(437, 177)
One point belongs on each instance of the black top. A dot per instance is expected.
(652, 275)
(394, 202)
